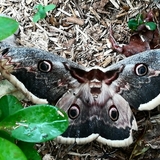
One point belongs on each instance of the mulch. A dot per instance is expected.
(79, 31)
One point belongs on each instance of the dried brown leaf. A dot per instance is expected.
(75, 20)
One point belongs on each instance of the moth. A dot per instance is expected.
(98, 100)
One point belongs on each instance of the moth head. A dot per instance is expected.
(84, 76)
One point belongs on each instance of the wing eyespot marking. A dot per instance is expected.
(73, 111)
(113, 113)
(45, 66)
(141, 69)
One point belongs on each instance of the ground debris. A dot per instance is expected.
(79, 30)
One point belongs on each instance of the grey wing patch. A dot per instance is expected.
(138, 82)
(21, 67)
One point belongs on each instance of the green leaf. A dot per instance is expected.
(9, 105)
(139, 19)
(133, 24)
(9, 151)
(138, 151)
(29, 150)
(37, 123)
(41, 13)
(7, 136)
(8, 26)
(150, 26)
(50, 7)
(36, 17)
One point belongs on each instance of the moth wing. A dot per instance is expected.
(88, 122)
(43, 74)
(138, 83)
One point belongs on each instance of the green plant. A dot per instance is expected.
(135, 23)
(34, 124)
(8, 26)
(41, 11)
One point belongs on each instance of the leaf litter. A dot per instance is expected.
(80, 31)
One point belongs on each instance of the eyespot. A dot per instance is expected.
(141, 69)
(113, 113)
(44, 66)
(73, 111)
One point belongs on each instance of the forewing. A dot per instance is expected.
(42, 73)
(138, 82)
